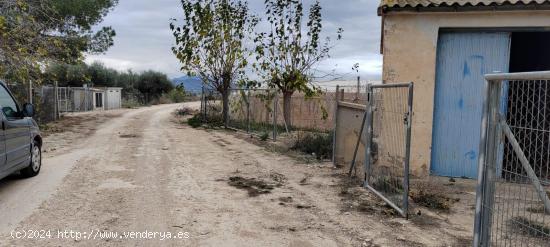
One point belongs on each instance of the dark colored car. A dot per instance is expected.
(20, 140)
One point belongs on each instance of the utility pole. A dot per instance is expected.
(358, 89)
(56, 105)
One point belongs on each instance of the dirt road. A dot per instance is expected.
(142, 172)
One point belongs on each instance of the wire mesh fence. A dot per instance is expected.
(75, 99)
(43, 98)
(261, 111)
(254, 110)
(388, 125)
(513, 206)
(51, 101)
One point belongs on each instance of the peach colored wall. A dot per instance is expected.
(410, 45)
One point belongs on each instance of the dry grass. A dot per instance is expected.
(253, 186)
(431, 195)
(529, 227)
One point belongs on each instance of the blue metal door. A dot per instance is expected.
(462, 60)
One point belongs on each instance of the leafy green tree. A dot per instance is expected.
(148, 86)
(177, 94)
(34, 33)
(103, 76)
(74, 75)
(287, 54)
(153, 84)
(211, 42)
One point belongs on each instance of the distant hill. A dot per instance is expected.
(191, 83)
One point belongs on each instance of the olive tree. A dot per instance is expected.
(210, 42)
(287, 53)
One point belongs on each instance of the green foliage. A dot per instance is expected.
(318, 144)
(147, 86)
(195, 121)
(131, 103)
(35, 33)
(287, 54)
(210, 43)
(177, 94)
(264, 136)
(153, 84)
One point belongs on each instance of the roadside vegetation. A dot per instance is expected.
(283, 58)
(144, 88)
(317, 144)
(36, 34)
(211, 43)
(42, 42)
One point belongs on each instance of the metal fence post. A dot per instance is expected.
(203, 104)
(359, 137)
(276, 105)
(368, 141)
(487, 161)
(406, 172)
(335, 127)
(56, 102)
(30, 91)
(481, 180)
(358, 89)
(247, 110)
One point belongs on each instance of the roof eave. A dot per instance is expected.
(382, 10)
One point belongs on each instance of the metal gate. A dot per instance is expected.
(512, 204)
(388, 131)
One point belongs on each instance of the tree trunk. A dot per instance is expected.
(225, 109)
(287, 108)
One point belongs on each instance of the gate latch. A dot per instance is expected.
(406, 118)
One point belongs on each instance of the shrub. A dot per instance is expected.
(264, 136)
(214, 120)
(176, 95)
(185, 111)
(195, 121)
(319, 144)
(130, 103)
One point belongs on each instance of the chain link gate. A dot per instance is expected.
(387, 124)
(512, 204)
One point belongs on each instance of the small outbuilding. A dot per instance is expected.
(90, 98)
(112, 98)
(446, 47)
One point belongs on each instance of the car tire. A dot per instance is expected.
(36, 162)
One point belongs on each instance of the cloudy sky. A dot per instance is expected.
(144, 39)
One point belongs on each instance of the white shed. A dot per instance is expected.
(113, 98)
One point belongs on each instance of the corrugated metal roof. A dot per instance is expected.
(437, 3)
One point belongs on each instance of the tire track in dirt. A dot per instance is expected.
(145, 172)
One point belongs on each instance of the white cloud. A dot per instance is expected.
(144, 40)
(118, 64)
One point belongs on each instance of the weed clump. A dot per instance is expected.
(255, 187)
(264, 136)
(185, 111)
(317, 144)
(431, 196)
(529, 227)
(195, 121)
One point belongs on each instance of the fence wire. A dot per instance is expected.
(254, 110)
(261, 111)
(389, 114)
(514, 208)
